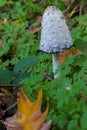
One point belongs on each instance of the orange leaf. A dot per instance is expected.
(28, 116)
(16, 21)
(63, 55)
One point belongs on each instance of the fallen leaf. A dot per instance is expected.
(46, 126)
(29, 115)
(38, 19)
(68, 2)
(16, 21)
(63, 55)
(33, 28)
(73, 11)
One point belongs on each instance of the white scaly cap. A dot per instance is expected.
(55, 35)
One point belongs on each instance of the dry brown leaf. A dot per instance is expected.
(34, 29)
(68, 2)
(63, 55)
(37, 28)
(28, 116)
(47, 126)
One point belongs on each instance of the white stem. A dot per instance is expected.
(56, 63)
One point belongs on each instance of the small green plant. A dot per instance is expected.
(66, 95)
(21, 63)
(20, 71)
(80, 30)
(5, 2)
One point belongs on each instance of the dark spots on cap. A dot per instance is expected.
(62, 17)
(52, 7)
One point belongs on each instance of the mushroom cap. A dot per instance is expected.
(55, 35)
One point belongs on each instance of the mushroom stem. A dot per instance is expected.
(56, 63)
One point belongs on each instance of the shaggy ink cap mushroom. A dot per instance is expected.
(55, 35)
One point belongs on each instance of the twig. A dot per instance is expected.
(13, 105)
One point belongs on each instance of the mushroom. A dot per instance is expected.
(55, 35)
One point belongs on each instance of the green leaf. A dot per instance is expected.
(84, 120)
(77, 32)
(6, 76)
(80, 59)
(2, 3)
(21, 78)
(81, 45)
(73, 124)
(24, 64)
(83, 19)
